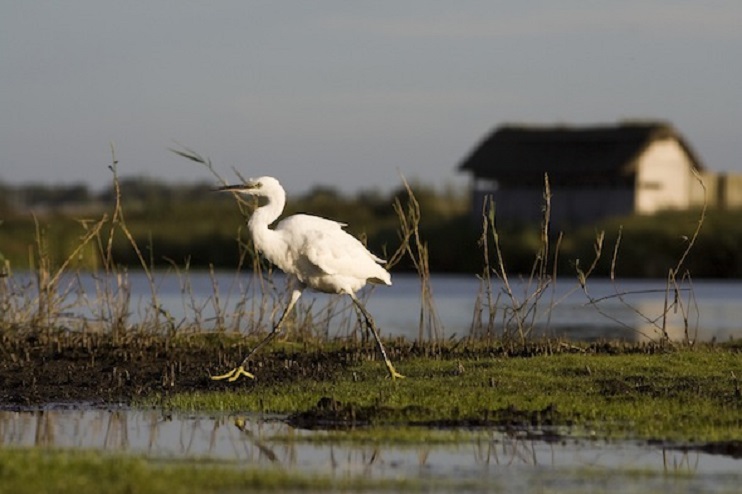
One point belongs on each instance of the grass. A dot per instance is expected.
(676, 395)
(70, 471)
(54, 471)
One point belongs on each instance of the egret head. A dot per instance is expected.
(261, 187)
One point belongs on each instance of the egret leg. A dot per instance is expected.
(238, 371)
(372, 327)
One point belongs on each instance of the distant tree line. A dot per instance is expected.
(190, 225)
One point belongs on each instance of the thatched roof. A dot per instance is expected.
(513, 153)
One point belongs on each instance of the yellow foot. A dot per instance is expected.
(393, 372)
(233, 375)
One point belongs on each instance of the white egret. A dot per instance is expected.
(315, 253)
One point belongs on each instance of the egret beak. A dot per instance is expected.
(234, 188)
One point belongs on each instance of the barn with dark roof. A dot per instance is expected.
(594, 172)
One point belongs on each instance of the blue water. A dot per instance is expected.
(636, 310)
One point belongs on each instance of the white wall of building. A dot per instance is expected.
(663, 179)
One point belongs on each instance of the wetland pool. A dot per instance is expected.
(476, 459)
(621, 309)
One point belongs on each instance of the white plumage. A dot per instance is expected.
(321, 255)
(315, 251)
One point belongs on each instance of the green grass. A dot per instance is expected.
(40, 471)
(680, 395)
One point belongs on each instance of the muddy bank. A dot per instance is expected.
(38, 368)
(102, 369)
(41, 367)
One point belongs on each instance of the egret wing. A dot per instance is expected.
(325, 245)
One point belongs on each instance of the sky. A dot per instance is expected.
(346, 94)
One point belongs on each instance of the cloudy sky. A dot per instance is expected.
(348, 94)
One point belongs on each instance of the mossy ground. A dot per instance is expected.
(677, 395)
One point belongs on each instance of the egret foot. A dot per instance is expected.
(233, 375)
(393, 372)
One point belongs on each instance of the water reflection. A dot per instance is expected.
(269, 442)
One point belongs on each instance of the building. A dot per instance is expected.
(594, 172)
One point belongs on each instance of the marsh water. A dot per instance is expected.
(480, 459)
(624, 309)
